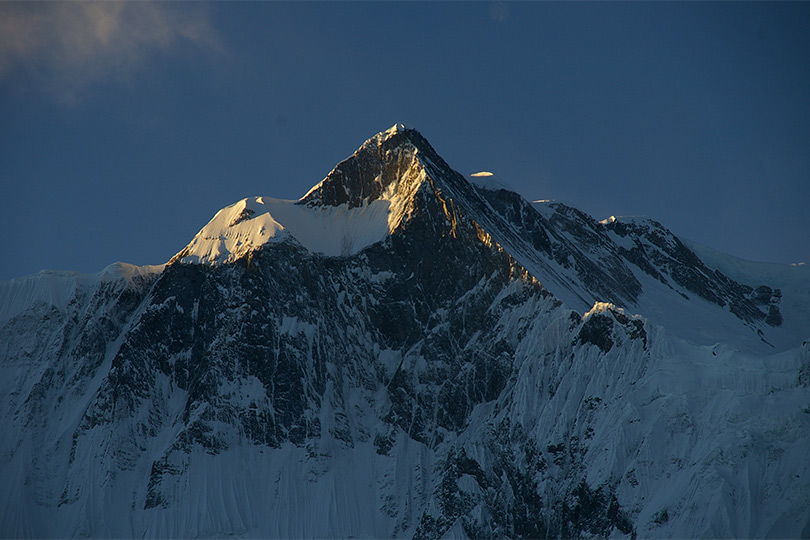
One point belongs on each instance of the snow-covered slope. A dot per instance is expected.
(52, 288)
(406, 353)
(639, 264)
(250, 223)
(793, 282)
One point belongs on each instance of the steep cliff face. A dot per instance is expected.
(396, 355)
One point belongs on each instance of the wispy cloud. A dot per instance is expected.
(499, 11)
(64, 47)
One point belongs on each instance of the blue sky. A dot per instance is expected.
(126, 126)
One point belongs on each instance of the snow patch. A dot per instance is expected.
(626, 242)
(467, 483)
(393, 130)
(487, 180)
(547, 207)
(601, 307)
(635, 220)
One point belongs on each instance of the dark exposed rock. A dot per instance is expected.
(598, 330)
(593, 512)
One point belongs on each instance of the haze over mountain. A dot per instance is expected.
(406, 352)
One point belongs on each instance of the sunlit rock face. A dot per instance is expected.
(406, 353)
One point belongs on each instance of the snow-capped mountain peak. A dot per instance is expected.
(396, 176)
(405, 353)
(395, 157)
(362, 200)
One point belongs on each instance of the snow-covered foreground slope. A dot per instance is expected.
(390, 357)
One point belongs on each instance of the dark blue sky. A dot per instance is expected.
(126, 126)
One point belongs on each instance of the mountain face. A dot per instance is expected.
(406, 353)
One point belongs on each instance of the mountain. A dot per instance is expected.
(404, 352)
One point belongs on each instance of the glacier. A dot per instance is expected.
(406, 352)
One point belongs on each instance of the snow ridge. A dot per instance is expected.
(251, 223)
(55, 288)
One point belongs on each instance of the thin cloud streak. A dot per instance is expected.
(499, 11)
(64, 47)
